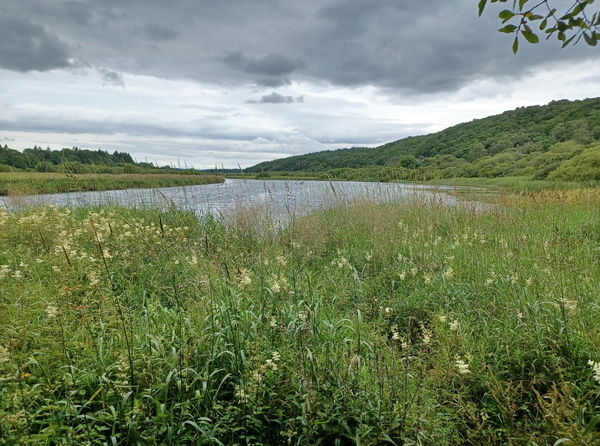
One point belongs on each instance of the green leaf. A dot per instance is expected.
(506, 15)
(522, 3)
(543, 24)
(591, 40)
(515, 45)
(508, 29)
(530, 36)
(566, 42)
(482, 4)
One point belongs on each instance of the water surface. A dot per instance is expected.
(278, 199)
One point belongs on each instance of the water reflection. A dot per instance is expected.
(280, 200)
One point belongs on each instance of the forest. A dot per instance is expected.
(557, 141)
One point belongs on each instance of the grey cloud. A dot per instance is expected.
(410, 47)
(276, 98)
(26, 46)
(272, 68)
(111, 77)
(158, 33)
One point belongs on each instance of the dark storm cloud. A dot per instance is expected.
(408, 46)
(26, 46)
(276, 98)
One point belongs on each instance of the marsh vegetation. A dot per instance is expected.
(369, 324)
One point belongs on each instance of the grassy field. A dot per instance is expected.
(27, 183)
(371, 325)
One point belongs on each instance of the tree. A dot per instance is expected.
(569, 24)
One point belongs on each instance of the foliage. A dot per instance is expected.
(568, 23)
(521, 142)
(408, 324)
(25, 183)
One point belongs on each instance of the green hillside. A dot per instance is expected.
(560, 140)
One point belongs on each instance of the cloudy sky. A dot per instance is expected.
(235, 82)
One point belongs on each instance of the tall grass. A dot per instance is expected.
(370, 324)
(29, 183)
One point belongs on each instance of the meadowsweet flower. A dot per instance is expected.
(341, 262)
(443, 318)
(454, 325)
(414, 271)
(595, 370)
(245, 279)
(275, 287)
(51, 311)
(395, 333)
(462, 366)
(282, 261)
(569, 304)
(369, 256)
(4, 270)
(93, 279)
(17, 274)
(427, 278)
(448, 273)
(402, 276)
(4, 354)
(387, 310)
(273, 322)
(529, 281)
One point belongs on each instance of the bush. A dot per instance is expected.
(5, 168)
(71, 167)
(583, 167)
(45, 166)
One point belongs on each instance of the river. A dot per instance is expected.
(278, 199)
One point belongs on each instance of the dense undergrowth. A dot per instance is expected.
(395, 324)
(26, 183)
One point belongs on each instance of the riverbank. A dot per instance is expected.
(371, 324)
(30, 183)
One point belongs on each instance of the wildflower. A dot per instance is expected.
(529, 281)
(17, 274)
(454, 325)
(462, 366)
(395, 333)
(273, 322)
(275, 286)
(93, 278)
(595, 370)
(387, 310)
(341, 262)
(443, 318)
(369, 256)
(4, 270)
(302, 316)
(51, 311)
(4, 355)
(282, 261)
(568, 304)
(448, 273)
(427, 278)
(245, 279)
(402, 276)
(414, 271)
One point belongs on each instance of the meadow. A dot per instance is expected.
(28, 183)
(403, 324)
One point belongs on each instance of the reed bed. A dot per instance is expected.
(369, 324)
(29, 183)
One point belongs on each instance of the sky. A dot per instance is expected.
(231, 83)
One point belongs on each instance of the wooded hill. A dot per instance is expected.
(560, 140)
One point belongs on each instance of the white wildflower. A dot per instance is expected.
(462, 366)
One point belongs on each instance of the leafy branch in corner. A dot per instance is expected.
(568, 25)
